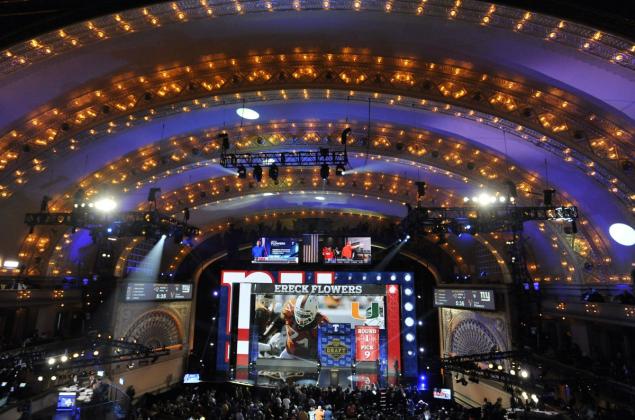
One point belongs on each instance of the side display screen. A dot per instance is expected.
(276, 251)
(465, 298)
(157, 291)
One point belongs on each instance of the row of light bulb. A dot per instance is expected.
(525, 396)
(485, 199)
(64, 358)
(523, 373)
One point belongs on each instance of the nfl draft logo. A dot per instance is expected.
(336, 344)
(336, 349)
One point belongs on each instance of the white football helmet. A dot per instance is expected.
(306, 308)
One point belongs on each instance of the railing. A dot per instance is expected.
(11, 297)
(40, 282)
(605, 311)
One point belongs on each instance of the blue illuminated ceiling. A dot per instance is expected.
(582, 86)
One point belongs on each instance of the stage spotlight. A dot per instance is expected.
(512, 192)
(152, 194)
(273, 172)
(224, 137)
(40, 378)
(409, 322)
(524, 374)
(44, 205)
(345, 134)
(339, 170)
(64, 358)
(548, 196)
(410, 337)
(421, 188)
(51, 361)
(242, 172)
(258, 173)
(78, 198)
(574, 227)
(324, 171)
(105, 204)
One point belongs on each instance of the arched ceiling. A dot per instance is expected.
(463, 95)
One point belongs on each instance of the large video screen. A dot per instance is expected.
(340, 323)
(158, 291)
(275, 251)
(465, 298)
(337, 249)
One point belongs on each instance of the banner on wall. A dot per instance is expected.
(367, 342)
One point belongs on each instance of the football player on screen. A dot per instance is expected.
(301, 319)
(270, 341)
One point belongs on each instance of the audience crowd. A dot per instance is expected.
(237, 402)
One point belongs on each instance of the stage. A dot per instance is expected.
(278, 372)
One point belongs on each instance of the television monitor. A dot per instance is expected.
(191, 378)
(345, 250)
(465, 298)
(66, 400)
(158, 291)
(442, 393)
(275, 251)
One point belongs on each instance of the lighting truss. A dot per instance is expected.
(281, 159)
(481, 357)
(109, 351)
(482, 219)
(467, 365)
(116, 224)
